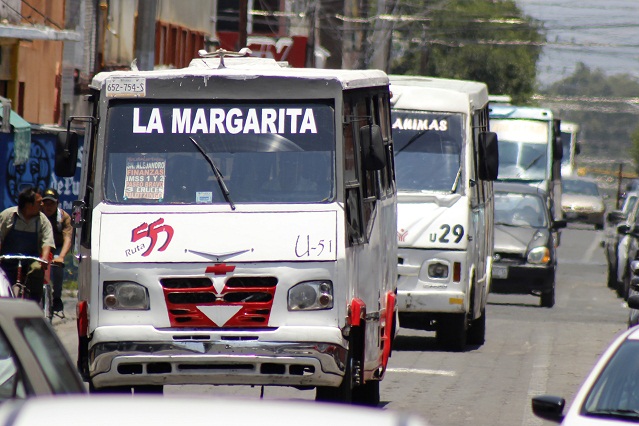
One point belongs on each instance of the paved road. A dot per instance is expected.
(529, 350)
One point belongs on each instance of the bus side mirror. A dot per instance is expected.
(66, 154)
(557, 146)
(488, 156)
(372, 145)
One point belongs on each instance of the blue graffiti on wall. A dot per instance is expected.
(38, 171)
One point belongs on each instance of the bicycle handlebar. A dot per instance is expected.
(22, 257)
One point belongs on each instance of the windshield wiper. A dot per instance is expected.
(411, 140)
(532, 163)
(617, 413)
(457, 177)
(217, 173)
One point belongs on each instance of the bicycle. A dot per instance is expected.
(21, 291)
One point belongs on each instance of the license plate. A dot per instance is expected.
(500, 272)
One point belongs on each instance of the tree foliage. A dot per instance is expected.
(606, 126)
(483, 40)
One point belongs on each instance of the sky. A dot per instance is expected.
(603, 34)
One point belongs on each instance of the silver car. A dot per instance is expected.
(581, 202)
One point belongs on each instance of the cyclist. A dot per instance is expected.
(62, 235)
(24, 229)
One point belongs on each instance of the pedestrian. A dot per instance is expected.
(62, 235)
(24, 229)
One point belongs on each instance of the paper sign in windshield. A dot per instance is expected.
(145, 178)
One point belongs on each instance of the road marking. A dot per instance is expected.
(595, 245)
(538, 377)
(422, 371)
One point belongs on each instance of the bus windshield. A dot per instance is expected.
(523, 148)
(264, 153)
(428, 150)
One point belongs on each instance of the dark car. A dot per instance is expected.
(525, 258)
(33, 361)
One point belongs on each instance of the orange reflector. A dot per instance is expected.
(456, 272)
(455, 301)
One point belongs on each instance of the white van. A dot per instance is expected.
(445, 160)
(237, 225)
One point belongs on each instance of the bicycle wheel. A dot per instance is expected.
(47, 301)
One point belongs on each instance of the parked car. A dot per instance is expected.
(193, 411)
(582, 202)
(33, 361)
(627, 251)
(612, 237)
(610, 393)
(525, 258)
(633, 294)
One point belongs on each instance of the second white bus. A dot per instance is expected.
(446, 160)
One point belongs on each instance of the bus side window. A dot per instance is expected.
(383, 112)
(90, 144)
(352, 197)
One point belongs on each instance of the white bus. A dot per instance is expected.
(570, 147)
(530, 149)
(445, 161)
(237, 226)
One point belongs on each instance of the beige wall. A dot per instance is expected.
(39, 63)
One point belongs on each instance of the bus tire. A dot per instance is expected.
(109, 389)
(83, 357)
(148, 389)
(451, 332)
(477, 330)
(344, 392)
(367, 394)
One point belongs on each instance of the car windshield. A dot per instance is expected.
(523, 149)
(428, 150)
(262, 153)
(515, 209)
(580, 187)
(615, 393)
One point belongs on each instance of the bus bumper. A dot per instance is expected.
(120, 357)
(419, 292)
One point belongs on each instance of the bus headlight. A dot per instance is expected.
(539, 255)
(438, 270)
(310, 296)
(124, 295)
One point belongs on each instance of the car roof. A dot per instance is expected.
(20, 308)
(522, 188)
(193, 410)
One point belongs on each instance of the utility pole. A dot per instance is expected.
(381, 38)
(243, 36)
(145, 34)
(620, 176)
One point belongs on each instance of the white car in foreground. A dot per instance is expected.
(133, 410)
(610, 393)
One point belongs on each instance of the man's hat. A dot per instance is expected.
(50, 194)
